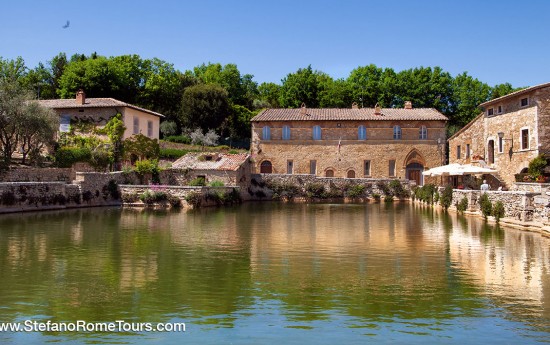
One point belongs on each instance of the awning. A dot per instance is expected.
(455, 169)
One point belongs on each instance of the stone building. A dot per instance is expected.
(511, 131)
(231, 169)
(366, 142)
(97, 111)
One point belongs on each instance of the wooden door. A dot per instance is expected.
(415, 175)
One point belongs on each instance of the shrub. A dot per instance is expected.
(397, 189)
(232, 197)
(8, 198)
(356, 191)
(436, 197)
(260, 194)
(194, 199)
(87, 195)
(65, 157)
(388, 198)
(199, 181)
(536, 166)
(100, 159)
(498, 210)
(112, 188)
(174, 201)
(462, 205)
(485, 205)
(383, 186)
(180, 139)
(151, 197)
(146, 166)
(426, 193)
(130, 198)
(447, 197)
(172, 153)
(168, 128)
(216, 183)
(315, 190)
(376, 196)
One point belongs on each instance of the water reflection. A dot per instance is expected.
(403, 268)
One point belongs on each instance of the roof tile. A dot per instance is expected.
(341, 114)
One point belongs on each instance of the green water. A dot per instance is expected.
(275, 274)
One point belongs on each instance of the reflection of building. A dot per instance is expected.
(350, 143)
(97, 111)
(511, 131)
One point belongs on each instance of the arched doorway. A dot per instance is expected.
(491, 152)
(351, 174)
(266, 167)
(414, 166)
(329, 173)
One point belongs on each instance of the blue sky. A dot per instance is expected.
(495, 41)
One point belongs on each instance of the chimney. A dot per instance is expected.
(408, 105)
(80, 97)
(354, 106)
(303, 109)
(377, 110)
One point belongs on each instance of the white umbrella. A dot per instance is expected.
(455, 169)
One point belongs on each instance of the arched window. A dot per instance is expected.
(266, 167)
(266, 133)
(329, 173)
(396, 132)
(286, 133)
(362, 133)
(316, 132)
(423, 134)
(351, 174)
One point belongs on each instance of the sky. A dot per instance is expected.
(494, 41)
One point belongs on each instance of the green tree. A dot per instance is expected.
(500, 90)
(334, 93)
(300, 87)
(36, 130)
(468, 93)
(269, 92)
(204, 106)
(371, 85)
(238, 123)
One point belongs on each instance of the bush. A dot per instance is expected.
(447, 197)
(315, 190)
(172, 153)
(112, 188)
(216, 183)
(100, 159)
(180, 139)
(199, 181)
(383, 186)
(146, 167)
(356, 191)
(485, 205)
(398, 190)
(498, 210)
(66, 156)
(462, 206)
(536, 166)
(426, 193)
(194, 199)
(376, 196)
(388, 198)
(151, 197)
(8, 198)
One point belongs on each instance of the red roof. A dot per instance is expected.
(91, 103)
(211, 161)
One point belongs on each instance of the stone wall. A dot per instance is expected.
(30, 196)
(38, 175)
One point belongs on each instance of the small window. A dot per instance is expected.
(392, 168)
(362, 133)
(136, 125)
(499, 109)
(286, 133)
(423, 132)
(266, 133)
(289, 167)
(150, 129)
(500, 145)
(396, 132)
(351, 174)
(313, 167)
(317, 133)
(525, 139)
(458, 152)
(366, 165)
(329, 173)
(266, 167)
(524, 102)
(467, 150)
(490, 111)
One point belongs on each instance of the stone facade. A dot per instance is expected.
(38, 175)
(341, 153)
(510, 154)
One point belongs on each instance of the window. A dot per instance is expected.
(289, 166)
(362, 133)
(467, 150)
(525, 138)
(366, 165)
(524, 102)
(329, 173)
(266, 133)
(396, 132)
(499, 109)
(266, 167)
(351, 174)
(490, 111)
(286, 133)
(150, 129)
(392, 168)
(136, 125)
(458, 152)
(313, 167)
(423, 132)
(500, 145)
(317, 133)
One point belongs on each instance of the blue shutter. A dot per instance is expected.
(266, 133)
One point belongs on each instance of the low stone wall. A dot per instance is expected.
(517, 204)
(532, 187)
(38, 175)
(29, 196)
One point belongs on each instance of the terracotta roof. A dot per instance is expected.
(517, 93)
(340, 114)
(91, 103)
(218, 161)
